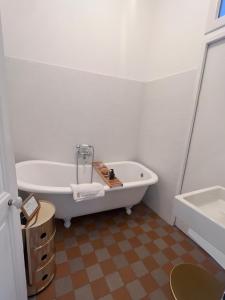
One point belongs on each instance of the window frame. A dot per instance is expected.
(214, 21)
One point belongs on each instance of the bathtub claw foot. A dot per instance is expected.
(67, 223)
(128, 210)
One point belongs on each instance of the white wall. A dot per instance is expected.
(101, 36)
(166, 117)
(168, 104)
(177, 36)
(52, 109)
(53, 104)
(143, 40)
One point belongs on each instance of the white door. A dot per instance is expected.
(206, 160)
(12, 274)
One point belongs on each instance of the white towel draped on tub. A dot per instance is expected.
(86, 191)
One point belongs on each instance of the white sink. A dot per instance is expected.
(201, 215)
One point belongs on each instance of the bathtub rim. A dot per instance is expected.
(29, 187)
(182, 199)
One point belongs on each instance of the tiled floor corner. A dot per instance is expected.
(114, 256)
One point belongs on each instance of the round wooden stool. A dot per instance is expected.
(191, 282)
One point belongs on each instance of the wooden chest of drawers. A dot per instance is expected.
(39, 249)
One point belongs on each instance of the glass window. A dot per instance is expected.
(222, 9)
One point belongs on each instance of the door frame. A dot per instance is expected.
(209, 40)
(8, 182)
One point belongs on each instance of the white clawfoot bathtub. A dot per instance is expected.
(51, 181)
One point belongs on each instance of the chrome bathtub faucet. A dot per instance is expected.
(84, 151)
(84, 155)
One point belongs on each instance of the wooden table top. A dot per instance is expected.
(191, 282)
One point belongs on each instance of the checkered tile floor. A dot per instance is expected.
(114, 256)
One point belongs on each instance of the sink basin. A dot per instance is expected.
(201, 215)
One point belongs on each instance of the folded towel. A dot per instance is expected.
(86, 191)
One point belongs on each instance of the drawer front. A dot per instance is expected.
(35, 289)
(42, 277)
(41, 255)
(38, 236)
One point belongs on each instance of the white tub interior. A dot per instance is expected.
(46, 176)
(51, 174)
(211, 203)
